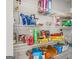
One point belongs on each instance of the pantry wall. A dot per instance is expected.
(28, 7)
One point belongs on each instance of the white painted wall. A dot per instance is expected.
(9, 27)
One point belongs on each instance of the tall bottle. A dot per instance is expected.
(42, 6)
(24, 20)
(45, 5)
(35, 33)
(49, 6)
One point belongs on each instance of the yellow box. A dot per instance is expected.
(56, 39)
(43, 40)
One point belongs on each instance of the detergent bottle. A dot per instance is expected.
(28, 19)
(49, 6)
(45, 5)
(32, 20)
(42, 6)
(24, 20)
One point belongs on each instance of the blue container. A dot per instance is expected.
(24, 19)
(59, 48)
(37, 52)
(28, 20)
(32, 20)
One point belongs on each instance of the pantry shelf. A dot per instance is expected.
(69, 49)
(36, 26)
(67, 28)
(62, 14)
(27, 47)
(24, 48)
(20, 25)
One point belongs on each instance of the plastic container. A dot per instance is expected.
(43, 34)
(47, 34)
(59, 48)
(67, 23)
(40, 4)
(24, 19)
(35, 34)
(49, 6)
(45, 6)
(32, 20)
(51, 52)
(30, 40)
(37, 53)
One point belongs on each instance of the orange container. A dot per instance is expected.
(47, 55)
(50, 52)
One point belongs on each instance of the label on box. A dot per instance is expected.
(36, 57)
(43, 56)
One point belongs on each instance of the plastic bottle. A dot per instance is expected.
(45, 5)
(28, 19)
(24, 20)
(31, 40)
(40, 3)
(42, 6)
(32, 20)
(49, 6)
(35, 33)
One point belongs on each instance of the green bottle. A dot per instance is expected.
(35, 34)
